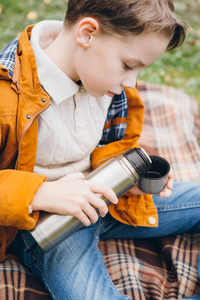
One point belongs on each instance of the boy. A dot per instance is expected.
(81, 68)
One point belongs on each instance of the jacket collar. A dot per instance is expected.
(29, 83)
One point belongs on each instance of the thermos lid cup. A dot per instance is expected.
(155, 179)
(139, 159)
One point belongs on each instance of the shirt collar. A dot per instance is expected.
(55, 82)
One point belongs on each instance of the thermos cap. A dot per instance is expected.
(139, 159)
(155, 179)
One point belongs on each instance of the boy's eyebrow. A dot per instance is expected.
(141, 63)
(138, 61)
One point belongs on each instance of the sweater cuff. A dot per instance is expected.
(30, 209)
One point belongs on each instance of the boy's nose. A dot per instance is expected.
(129, 82)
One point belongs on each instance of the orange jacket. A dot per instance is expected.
(21, 100)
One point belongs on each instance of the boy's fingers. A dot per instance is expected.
(100, 205)
(165, 193)
(91, 213)
(170, 180)
(104, 190)
(170, 184)
(83, 218)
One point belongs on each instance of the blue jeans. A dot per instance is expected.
(76, 270)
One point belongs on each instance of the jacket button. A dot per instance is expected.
(152, 221)
(28, 117)
(43, 100)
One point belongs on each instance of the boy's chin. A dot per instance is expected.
(96, 94)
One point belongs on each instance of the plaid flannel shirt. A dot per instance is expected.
(117, 109)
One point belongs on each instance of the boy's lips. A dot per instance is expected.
(110, 94)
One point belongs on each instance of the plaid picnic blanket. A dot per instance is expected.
(154, 269)
(17, 283)
(162, 268)
(144, 269)
(172, 129)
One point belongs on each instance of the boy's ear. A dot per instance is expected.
(85, 30)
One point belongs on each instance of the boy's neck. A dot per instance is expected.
(62, 52)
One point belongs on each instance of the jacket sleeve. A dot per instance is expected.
(17, 189)
(131, 209)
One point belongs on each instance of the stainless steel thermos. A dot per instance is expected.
(119, 173)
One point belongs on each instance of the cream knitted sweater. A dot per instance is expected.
(72, 126)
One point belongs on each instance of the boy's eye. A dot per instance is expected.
(127, 67)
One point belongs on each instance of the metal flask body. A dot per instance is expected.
(119, 173)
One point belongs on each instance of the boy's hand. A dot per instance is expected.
(73, 195)
(168, 189)
(164, 193)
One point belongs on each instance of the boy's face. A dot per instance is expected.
(109, 63)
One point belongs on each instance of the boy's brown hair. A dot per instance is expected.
(123, 17)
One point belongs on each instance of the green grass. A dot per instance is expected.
(179, 68)
(14, 19)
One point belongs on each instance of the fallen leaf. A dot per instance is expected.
(32, 15)
(47, 1)
(194, 42)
